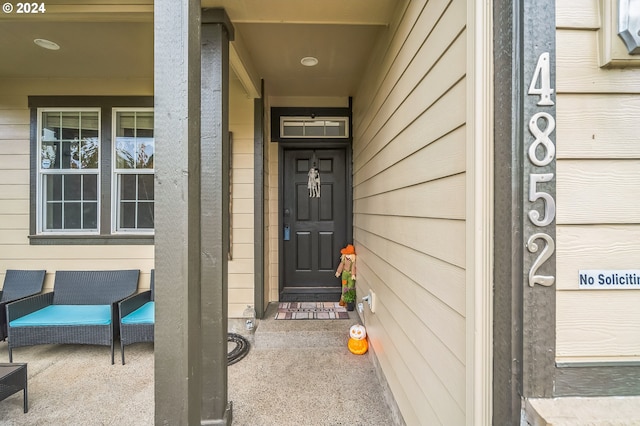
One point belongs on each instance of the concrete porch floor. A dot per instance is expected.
(296, 373)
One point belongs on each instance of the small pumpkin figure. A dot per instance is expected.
(358, 339)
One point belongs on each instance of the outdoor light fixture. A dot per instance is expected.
(46, 44)
(309, 61)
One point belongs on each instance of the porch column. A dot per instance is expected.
(508, 250)
(217, 31)
(178, 348)
(538, 141)
(524, 205)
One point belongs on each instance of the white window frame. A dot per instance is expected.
(40, 174)
(115, 186)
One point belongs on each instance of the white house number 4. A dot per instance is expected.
(541, 86)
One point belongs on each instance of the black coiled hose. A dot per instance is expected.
(241, 349)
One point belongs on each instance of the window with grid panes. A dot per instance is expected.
(133, 170)
(92, 164)
(68, 170)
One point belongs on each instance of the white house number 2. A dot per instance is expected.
(541, 85)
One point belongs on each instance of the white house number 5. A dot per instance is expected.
(549, 202)
(541, 86)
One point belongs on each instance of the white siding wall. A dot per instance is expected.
(598, 202)
(409, 208)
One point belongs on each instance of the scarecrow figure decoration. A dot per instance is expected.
(347, 269)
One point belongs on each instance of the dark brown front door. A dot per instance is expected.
(313, 228)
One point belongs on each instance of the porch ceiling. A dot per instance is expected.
(111, 38)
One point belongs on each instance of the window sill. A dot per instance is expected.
(51, 240)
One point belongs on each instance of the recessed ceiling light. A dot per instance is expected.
(309, 61)
(47, 44)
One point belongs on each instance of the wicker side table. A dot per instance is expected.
(13, 378)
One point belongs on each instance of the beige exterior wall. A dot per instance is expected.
(241, 275)
(17, 253)
(598, 202)
(273, 276)
(409, 208)
(271, 205)
(268, 208)
(15, 250)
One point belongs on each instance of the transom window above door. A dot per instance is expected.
(311, 127)
(311, 124)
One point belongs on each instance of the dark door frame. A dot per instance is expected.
(313, 144)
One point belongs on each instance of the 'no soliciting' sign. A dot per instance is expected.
(594, 279)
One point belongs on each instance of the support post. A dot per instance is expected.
(537, 80)
(178, 354)
(524, 205)
(217, 32)
(507, 210)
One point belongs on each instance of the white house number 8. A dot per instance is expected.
(541, 85)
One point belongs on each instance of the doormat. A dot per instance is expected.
(311, 310)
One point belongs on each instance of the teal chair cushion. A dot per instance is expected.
(66, 315)
(145, 314)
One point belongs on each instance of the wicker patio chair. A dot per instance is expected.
(18, 284)
(91, 289)
(137, 317)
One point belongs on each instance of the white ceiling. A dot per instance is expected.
(102, 38)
